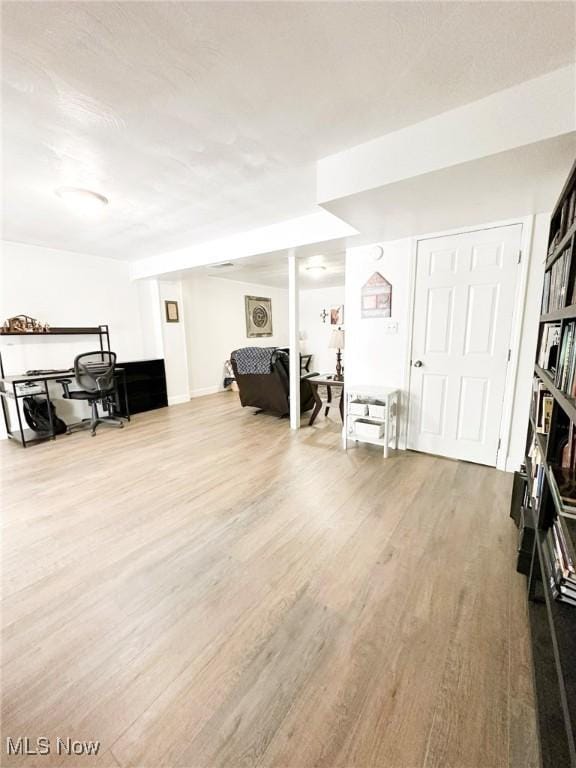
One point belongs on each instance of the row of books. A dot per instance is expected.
(563, 221)
(557, 545)
(549, 344)
(566, 363)
(561, 560)
(542, 402)
(556, 283)
(565, 479)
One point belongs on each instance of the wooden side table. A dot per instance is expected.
(305, 361)
(329, 382)
(387, 402)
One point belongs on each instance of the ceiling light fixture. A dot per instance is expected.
(81, 199)
(316, 270)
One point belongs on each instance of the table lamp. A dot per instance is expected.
(337, 342)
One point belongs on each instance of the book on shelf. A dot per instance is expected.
(546, 419)
(571, 217)
(564, 219)
(557, 284)
(564, 531)
(558, 551)
(563, 587)
(542, 403)
(549, 343)
(546, 292)
(566, 362)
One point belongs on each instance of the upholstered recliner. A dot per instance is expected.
(268, 387)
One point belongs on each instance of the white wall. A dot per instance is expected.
(68, 289)
(151, 318)
(373, 355)
(317, 333)
(377, 356)
(216, 325)
(527, 350)
(174, 343)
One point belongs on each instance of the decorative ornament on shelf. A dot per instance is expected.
(377, 252)
(24, 324)
(324, 315)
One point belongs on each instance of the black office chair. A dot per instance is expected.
(94, 373)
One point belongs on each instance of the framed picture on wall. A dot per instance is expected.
(172, 313)
(258, 316)
(337, 315)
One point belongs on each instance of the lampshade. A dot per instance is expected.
(336, 340)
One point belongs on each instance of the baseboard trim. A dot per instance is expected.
(204, 391)
(511, 465)
(178, 399)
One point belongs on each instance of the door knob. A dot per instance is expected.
(418, 364)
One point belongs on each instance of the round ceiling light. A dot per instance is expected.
(316, 269)
(82, 199)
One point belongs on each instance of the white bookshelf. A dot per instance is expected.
(388, 423)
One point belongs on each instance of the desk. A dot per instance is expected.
(328, 381)
(9, 391)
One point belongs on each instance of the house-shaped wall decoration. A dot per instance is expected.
(376, 297)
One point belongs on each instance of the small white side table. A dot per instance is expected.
(385, 396)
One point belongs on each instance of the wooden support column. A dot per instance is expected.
(294, 336)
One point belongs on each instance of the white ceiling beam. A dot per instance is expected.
(533, 111)
(304, 230)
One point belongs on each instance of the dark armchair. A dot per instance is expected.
(270, 390)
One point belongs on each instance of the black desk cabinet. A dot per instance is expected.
(145, 385)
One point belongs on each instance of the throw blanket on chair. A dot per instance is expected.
(253, 359)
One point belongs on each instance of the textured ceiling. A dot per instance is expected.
(272, 268)
(198, 120)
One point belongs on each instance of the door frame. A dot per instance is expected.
(526, 237)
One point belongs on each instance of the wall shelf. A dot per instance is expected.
(86, 331)
(566, 313)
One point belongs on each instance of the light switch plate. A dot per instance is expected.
(390, 326)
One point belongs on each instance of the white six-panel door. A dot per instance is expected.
(464, 305)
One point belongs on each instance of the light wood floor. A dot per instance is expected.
(205, 588)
